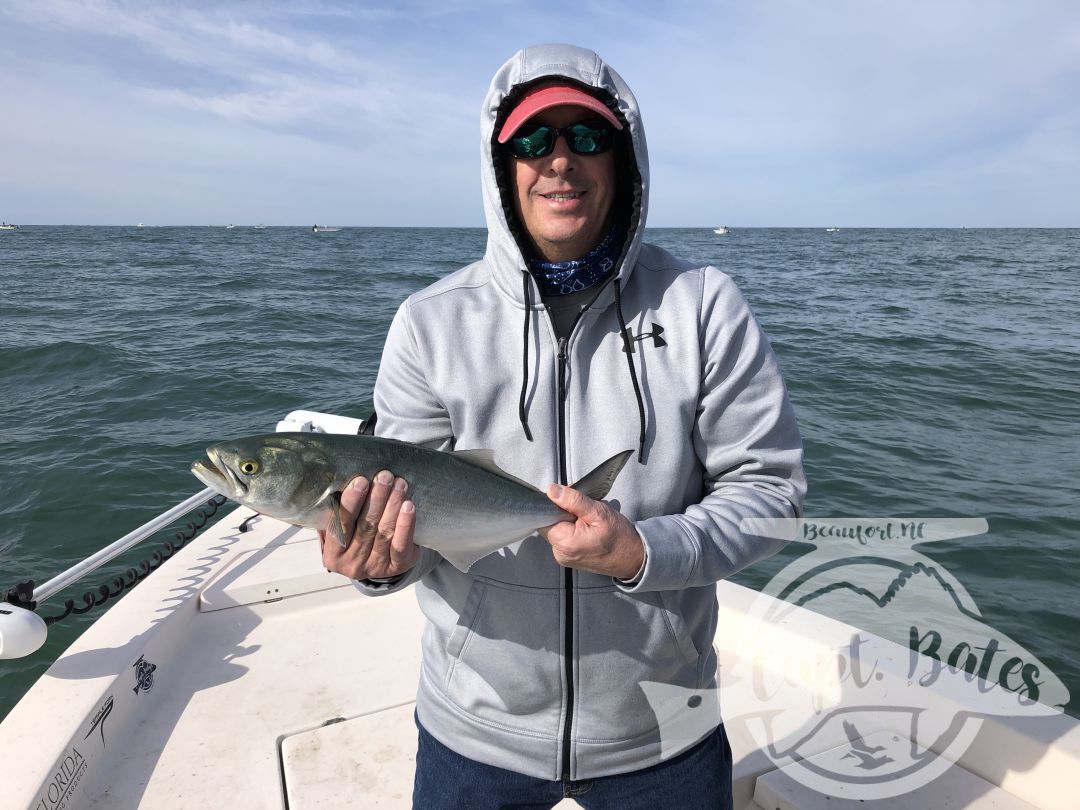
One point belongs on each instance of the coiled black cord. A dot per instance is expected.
(132, 576)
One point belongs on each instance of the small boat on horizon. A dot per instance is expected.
(722, 229)
(832, 230)
(323, 229)
(5, 226)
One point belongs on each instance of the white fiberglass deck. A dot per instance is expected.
(242, 674)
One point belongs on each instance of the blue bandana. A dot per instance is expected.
(563, 278)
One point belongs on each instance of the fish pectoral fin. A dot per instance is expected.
(464, 558)
(462, 561)
(597, 483)
(335, 528)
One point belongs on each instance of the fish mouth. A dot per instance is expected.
(217, 475)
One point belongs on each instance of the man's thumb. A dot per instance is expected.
(569, 499)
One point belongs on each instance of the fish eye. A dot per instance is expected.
(249, 467)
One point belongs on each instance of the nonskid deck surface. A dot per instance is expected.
(244, 674)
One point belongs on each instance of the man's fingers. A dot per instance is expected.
(403, 553)
(352, 497)
(384, 534)
(390, 512)
(367, 523)
(376, 502)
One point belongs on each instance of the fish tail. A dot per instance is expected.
(597, 483)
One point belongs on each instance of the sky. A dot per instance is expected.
(852, 113)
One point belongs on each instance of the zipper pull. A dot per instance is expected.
(562, 348)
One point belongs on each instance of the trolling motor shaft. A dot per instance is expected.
(22, 631)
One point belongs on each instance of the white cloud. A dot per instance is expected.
(757, 113)
(215, 39)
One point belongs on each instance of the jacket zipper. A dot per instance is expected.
(568, 579)
(568, 573)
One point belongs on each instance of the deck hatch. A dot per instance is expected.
(363, 761)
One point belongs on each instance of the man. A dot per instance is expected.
(570, 341)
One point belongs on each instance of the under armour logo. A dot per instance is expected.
(629, 338)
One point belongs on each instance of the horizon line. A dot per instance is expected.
(484, 227)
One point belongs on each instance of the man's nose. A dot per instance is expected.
(562, 159)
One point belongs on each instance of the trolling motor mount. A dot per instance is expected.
(22, 595)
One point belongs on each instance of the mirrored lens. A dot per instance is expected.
(588, 139)
(533, 144)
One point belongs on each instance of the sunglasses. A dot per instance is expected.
(538, 140)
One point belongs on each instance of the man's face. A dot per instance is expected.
(563, 199)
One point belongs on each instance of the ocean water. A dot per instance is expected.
(934, 373)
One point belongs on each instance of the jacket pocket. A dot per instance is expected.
(503, 657)
(680, 634)
(624, 641)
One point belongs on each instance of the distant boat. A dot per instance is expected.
(832, 230)
(323, 229)
(722, 229)
(140, 225)
(260, 227)
(229, 226)
(5, 227)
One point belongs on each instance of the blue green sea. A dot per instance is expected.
(934, 373)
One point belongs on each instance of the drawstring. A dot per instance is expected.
(628, 347)
(527, 294)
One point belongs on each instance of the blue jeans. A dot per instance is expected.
(698, 778)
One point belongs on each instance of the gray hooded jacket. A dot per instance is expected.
(527, 665)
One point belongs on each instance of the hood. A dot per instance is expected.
(503, 254)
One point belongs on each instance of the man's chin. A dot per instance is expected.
(567, 244)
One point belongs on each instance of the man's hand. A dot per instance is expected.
(601, 540)
(380, 526)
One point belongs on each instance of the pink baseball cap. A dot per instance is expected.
(550, 96)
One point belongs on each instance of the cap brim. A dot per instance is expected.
(545, 98)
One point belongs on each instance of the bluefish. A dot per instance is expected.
(466, 506)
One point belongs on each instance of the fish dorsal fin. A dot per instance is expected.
(481, 457)
(485, 459)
